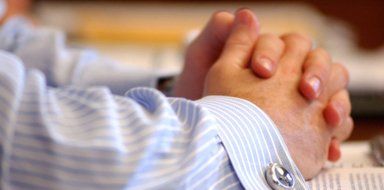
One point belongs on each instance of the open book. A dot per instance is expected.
(356, 170)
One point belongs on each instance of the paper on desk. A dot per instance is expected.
(349, 178)
(356, 170)
(354, 155)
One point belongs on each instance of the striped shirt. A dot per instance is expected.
(60, 130)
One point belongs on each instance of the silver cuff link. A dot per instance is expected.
(278, 178)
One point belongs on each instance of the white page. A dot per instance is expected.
(349, 179)
(354, 155)
(356, 170)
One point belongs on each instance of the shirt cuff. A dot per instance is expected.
(251, 140)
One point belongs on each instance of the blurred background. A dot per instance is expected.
(154, 34)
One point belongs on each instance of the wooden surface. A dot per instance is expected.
(364, 16)
(366, 128)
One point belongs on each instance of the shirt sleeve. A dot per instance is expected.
(251, 140)
(71, 138)
(45, 49)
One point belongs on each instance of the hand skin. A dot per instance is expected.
(16, 7)
(206, 49)
(268, 51)
(300, 121)
(202, 54)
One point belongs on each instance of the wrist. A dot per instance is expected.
(251, 139)
(189, 85)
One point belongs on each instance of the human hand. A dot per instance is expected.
(206, 48)
(300, 121)
(204, 51)
(316, 68)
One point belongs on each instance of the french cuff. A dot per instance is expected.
(253, 144)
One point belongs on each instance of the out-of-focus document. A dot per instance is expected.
(349, 178)
(357, 170)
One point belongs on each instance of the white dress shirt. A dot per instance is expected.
(62, 126)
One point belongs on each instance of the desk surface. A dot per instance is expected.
(365, 128)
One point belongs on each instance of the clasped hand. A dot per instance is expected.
(300, 88)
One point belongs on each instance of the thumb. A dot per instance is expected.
(241, 40)
(208, 46)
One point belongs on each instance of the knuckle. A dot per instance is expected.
(277, 42)
(298, 38)
(351, 125)
(348, 128)
(345, 95)
(241, 42)
(269, 44)
(322, 53)
(220, 69)
(220, 21)
(347, 101)
(268, 36)
(343, 72)
(318, 64)
(298, 41)
(218, 15)
(342, 98)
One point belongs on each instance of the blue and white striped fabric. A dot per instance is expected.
(63, 136)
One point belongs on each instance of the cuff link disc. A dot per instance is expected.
(278, 178)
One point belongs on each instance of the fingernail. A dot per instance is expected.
(315, 84)
(265, 63)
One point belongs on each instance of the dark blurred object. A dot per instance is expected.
(368, 105)
(368, 115)
(366, 128)
(377, 147)
(365, 16)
